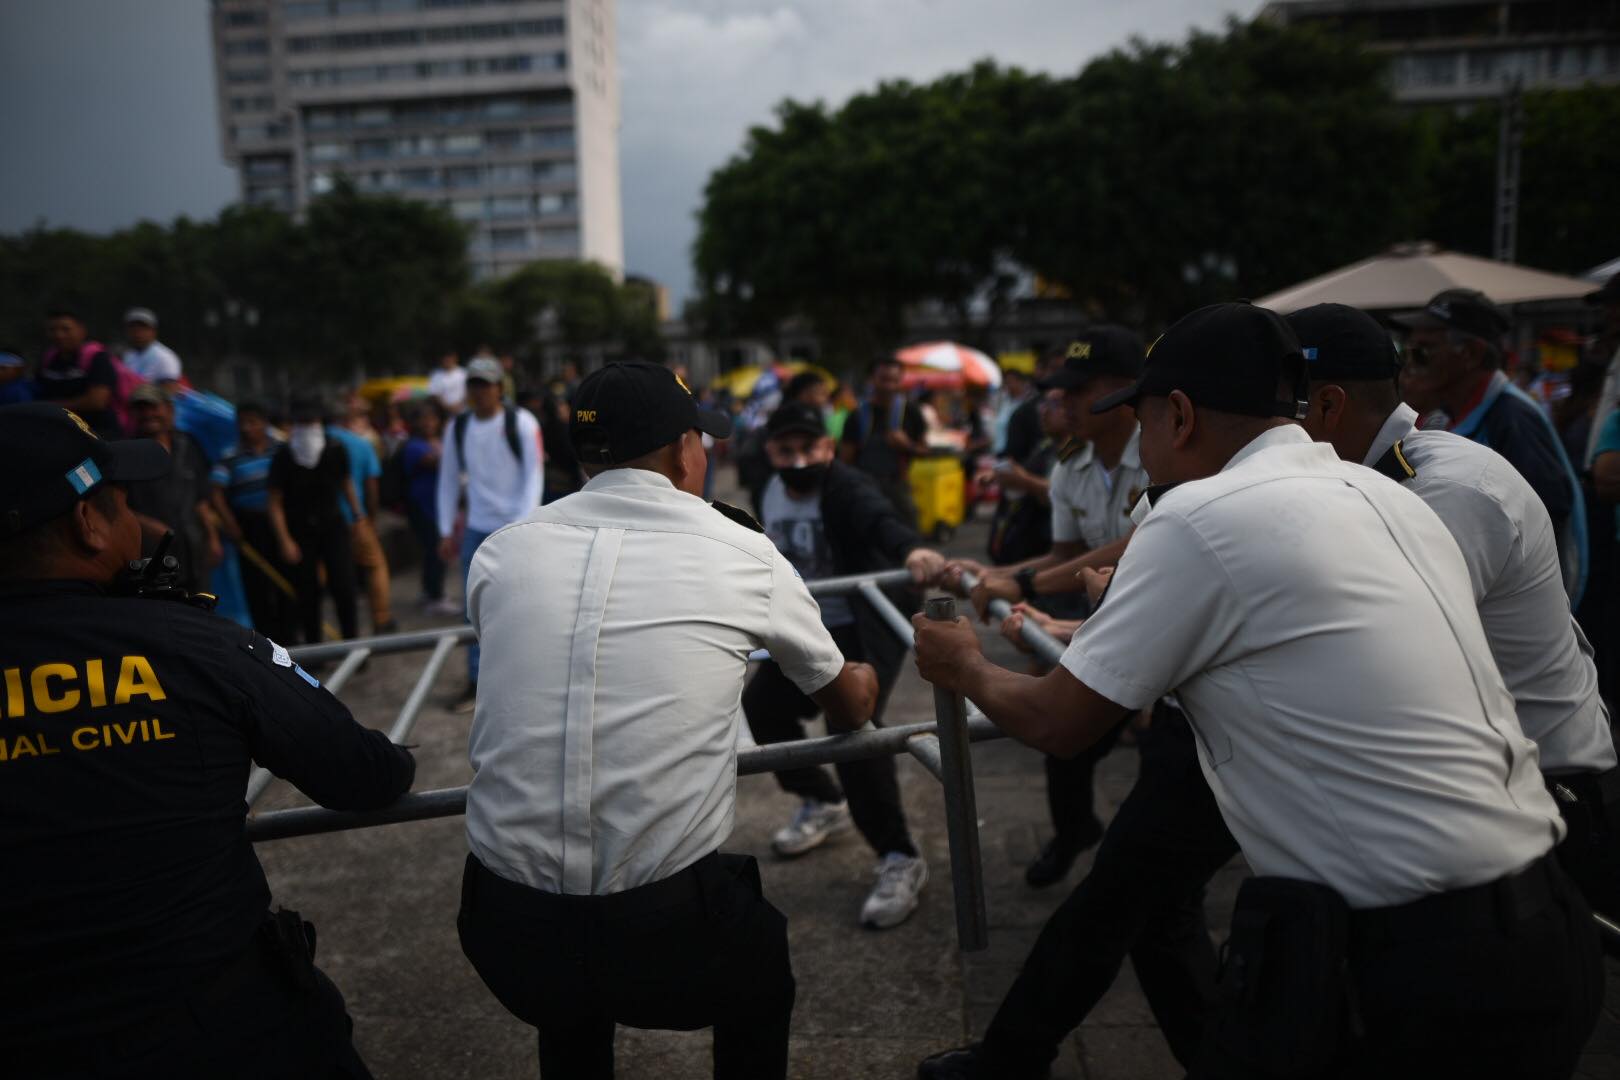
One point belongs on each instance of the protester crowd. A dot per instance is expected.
(1345, 584)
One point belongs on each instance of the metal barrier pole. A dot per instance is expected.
(259, 782)
(925, 748)
(413, 704)
(1047, 647)
(833, 585)
(888, 612)
(961, 811)
(387, 643)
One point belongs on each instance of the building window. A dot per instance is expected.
(419, 179)
(246, 18)
(239, 76)
(510, 206)
(467, 209)
(248, 47)
(266, 166)
(559, 239)
(260, 103)
(328, 151)
(509, 175)
(561, 202)
(1427, 70)
(509, 239)
(464, 176)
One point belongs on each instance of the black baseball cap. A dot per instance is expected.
(795, 418)
(1097, 350)
(54, 460)
(1467, 310)
(1341, 342)
(1228, 357)
(632, 408)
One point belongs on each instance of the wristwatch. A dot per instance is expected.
(1026, 583)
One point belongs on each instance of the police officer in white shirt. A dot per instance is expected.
(147, 356)
(1317, 624)
(1511, 552)
(616, 626)
(1097, 479)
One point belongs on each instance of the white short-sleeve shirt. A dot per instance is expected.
(1511, 552)
(449, 385)
(616, 626)
(1091, 505)
(155, 363)
(1317, 623)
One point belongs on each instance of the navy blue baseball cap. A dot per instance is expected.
(1097, 350)
(54, 460)
(1342, 342)
(1227, 357)
(629, 409)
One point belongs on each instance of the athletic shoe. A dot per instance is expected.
(898, 891)
(465, 701)
(813, 823)
(968, 1063)
(445, 607)
(1057, 858)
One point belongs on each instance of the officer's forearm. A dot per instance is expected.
(1054, 713)
(1064, 577)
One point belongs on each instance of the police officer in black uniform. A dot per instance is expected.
(136, 937)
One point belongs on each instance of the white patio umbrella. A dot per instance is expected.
(1407, 275)
(947, 364)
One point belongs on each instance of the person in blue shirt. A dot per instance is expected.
(242, 501)
(1454, 360)
(15, 387)
(369, 558)
(421, 466)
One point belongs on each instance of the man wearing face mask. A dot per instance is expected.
(308, 478)
(829, 519)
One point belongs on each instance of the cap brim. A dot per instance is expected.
(797, 429)
(1063, 379)
(1419, 320)
(1127, 396)
(133, 460)
(714, 423)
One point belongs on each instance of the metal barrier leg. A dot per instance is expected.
(413, 704)
(961, 810)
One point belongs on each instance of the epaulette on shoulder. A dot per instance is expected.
(739, 515)
(1070, 448)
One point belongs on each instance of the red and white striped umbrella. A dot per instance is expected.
(947, 365)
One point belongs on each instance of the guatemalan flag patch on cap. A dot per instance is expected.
(84, 476)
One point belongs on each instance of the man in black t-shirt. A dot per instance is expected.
(308, 476)
(136, 938)
(177, 502)
(78, 374)
(882, 436)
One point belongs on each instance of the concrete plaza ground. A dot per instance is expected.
(870, 1004)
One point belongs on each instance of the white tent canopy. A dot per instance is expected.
(1407, 275)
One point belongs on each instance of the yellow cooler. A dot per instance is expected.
(939, 488)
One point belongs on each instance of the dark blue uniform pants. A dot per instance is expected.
(1144, 897)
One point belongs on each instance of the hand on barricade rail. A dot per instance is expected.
(1012, 627)
(951, 576)
(993, 587)
(945, 649)
(1096, 582)
(926, 566)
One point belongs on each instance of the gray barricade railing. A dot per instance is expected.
(940, 747)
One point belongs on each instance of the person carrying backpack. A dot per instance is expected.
(496, 450)
(83, 377)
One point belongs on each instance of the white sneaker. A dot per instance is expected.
(812, 824)
(445, 607)
(898, 891)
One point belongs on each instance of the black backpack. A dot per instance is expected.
(459, 433)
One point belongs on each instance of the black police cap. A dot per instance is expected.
(1227, 357)
(1097, 350)
(1341, 342)
(54, 460)
(629, 409)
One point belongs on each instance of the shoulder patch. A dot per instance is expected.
(1070, 448)
(1394, 464)
(739, 515)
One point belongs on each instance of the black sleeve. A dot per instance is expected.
(1023, 433)
(304, 735)
(205, 473)
(852, 428)
(277, 478)
(912, 422)
(874, 519)
(101, 371)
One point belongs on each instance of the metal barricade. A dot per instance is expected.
(940, 747)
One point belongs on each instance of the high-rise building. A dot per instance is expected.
(1462, 51)
(506, 112)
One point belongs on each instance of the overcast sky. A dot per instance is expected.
(107, 106)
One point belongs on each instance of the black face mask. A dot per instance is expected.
(805, 478)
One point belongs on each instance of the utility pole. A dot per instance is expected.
(1510, 140)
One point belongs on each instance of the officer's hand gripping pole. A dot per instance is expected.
(961, 810)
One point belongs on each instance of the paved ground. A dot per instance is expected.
(870, 1004)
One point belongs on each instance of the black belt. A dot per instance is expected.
(1498, 904)
(680, 888)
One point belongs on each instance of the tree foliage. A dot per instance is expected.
(1157, 178)
(361, 284)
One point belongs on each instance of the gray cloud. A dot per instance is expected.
(109, 104)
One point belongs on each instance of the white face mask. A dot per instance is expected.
(306, 443)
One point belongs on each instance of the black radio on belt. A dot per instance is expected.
(158, 578)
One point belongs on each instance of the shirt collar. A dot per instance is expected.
(1282, 435)
(1400, 424)
(631, 479)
